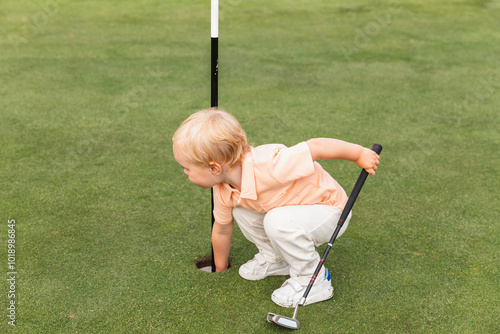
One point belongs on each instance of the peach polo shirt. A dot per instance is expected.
(273, 176)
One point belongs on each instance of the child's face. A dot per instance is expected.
(197, 174)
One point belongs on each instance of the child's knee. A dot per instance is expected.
(275, 225)
(239, 213)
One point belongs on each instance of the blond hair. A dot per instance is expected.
(212, 135)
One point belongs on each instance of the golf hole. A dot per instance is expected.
(205, 264)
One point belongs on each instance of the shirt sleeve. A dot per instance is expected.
(288, 164)
(223, 211)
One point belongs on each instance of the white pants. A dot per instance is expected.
(291, 233)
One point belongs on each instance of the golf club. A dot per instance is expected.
(293, 323)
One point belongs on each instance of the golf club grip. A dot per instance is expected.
(377, 148)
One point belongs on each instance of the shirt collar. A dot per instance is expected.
(248, 189)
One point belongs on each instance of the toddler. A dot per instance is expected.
(282, 199)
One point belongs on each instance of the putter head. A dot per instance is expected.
(280, 320)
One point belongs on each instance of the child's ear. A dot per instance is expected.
(215, 168)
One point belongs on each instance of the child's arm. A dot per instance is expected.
(331, 149)
(221, 242)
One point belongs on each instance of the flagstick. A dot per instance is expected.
(215, 51)
(214, 92)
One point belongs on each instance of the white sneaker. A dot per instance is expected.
(292, 291)
(258, 268)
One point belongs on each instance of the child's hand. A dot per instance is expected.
(368, 160)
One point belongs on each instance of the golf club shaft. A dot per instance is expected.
(345, 213)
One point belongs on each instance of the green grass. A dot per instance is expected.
(108, 227)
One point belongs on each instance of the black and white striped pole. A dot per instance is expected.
(215, 51)
(214, 91)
